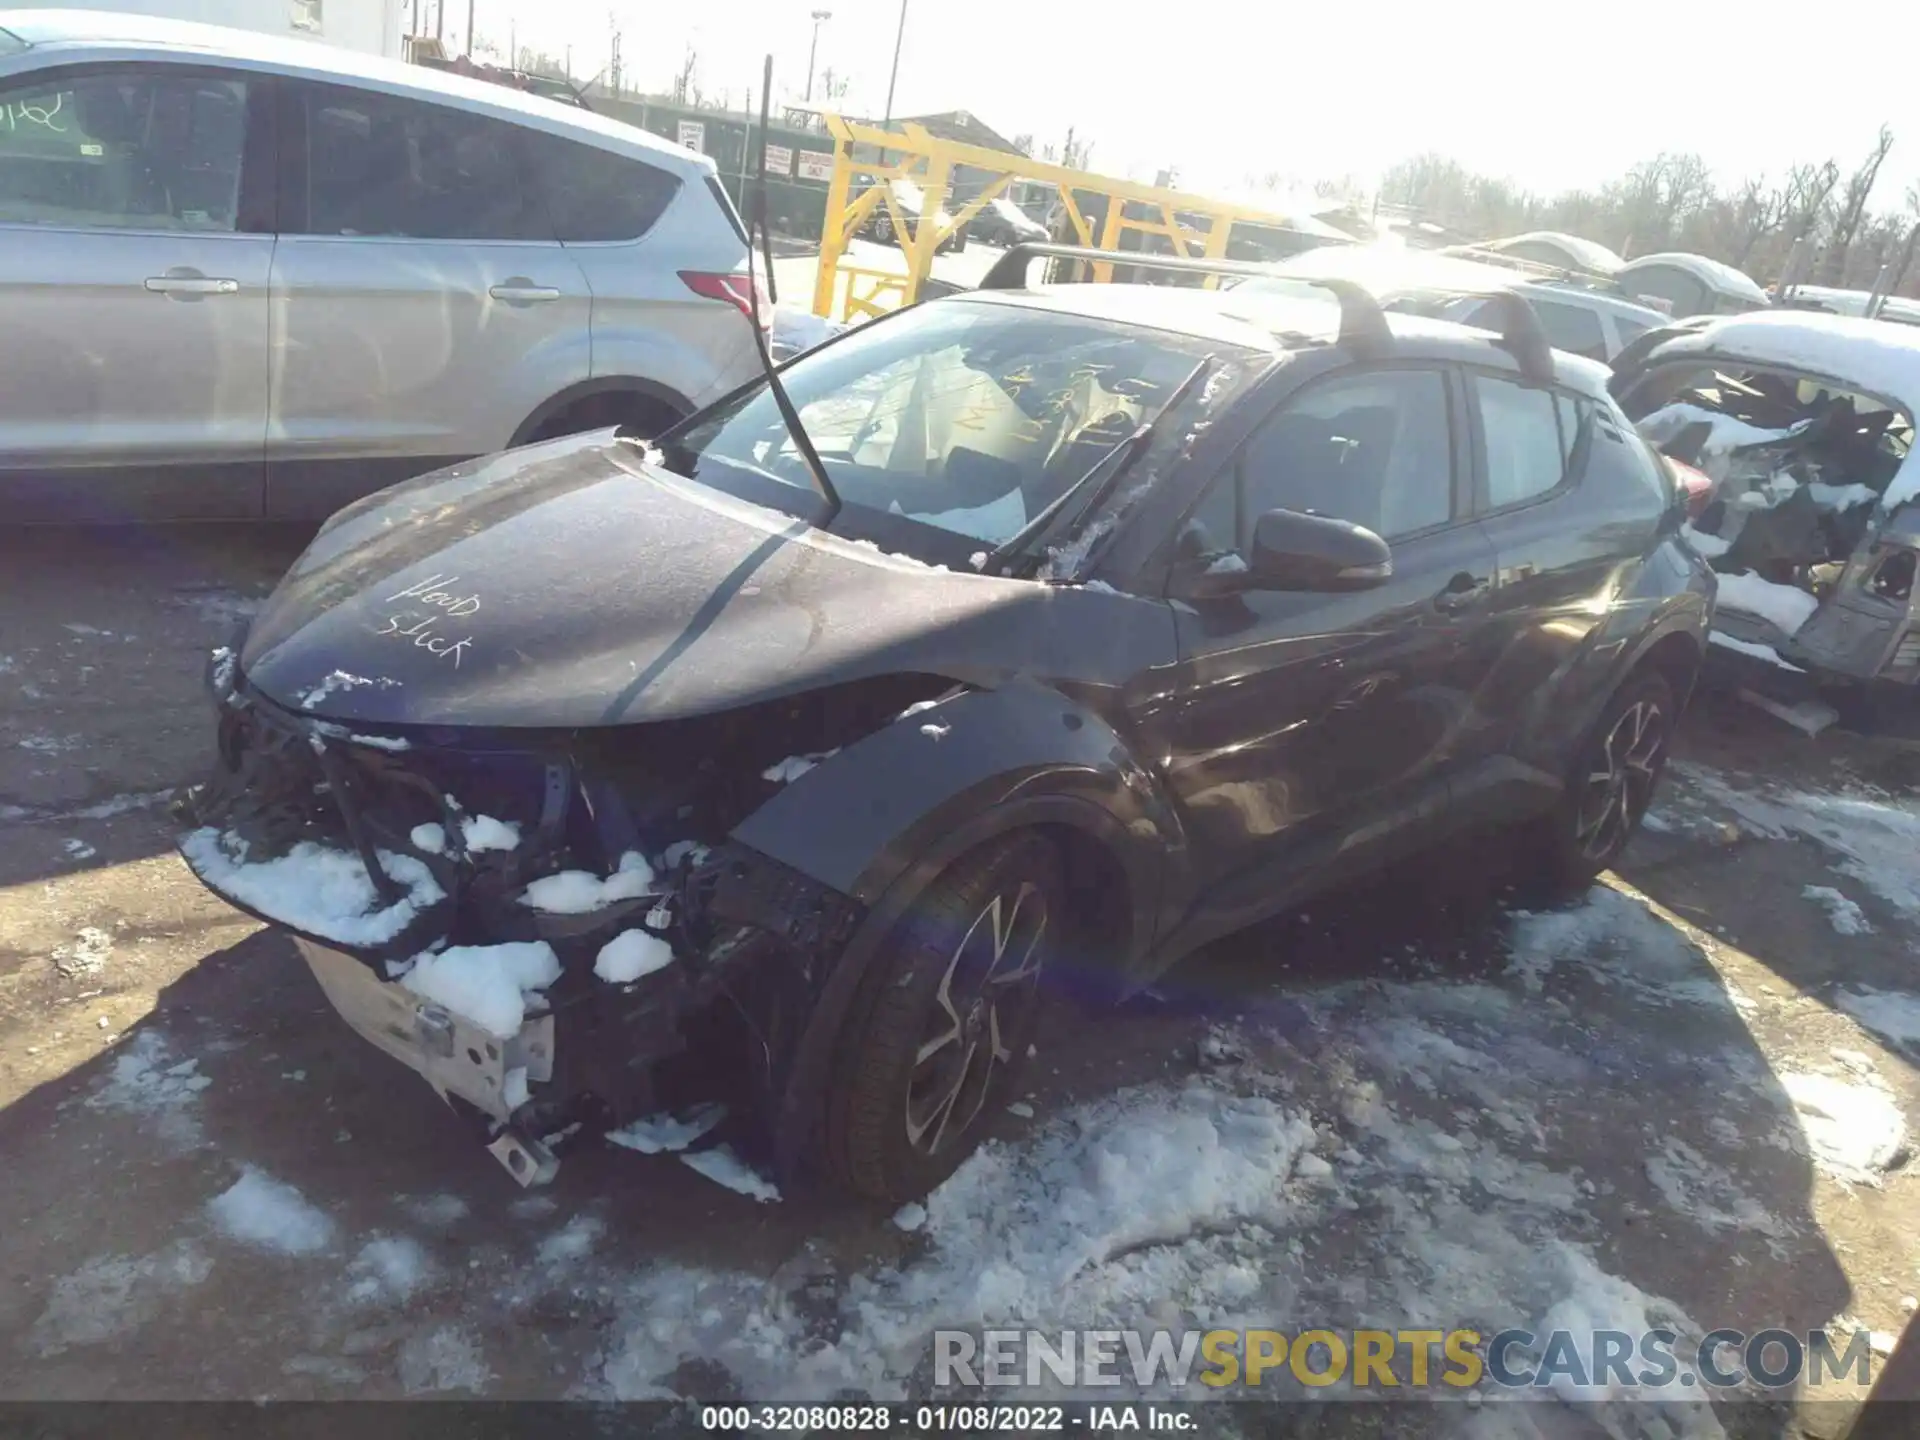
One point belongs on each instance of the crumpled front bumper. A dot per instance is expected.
(453, 1055)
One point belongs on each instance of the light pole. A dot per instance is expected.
(894, 74)
(813, 50)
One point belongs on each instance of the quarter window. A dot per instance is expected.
(138, 149)
(380, 165)
(1522, 429)
(594, 194)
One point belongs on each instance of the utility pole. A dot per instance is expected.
(813, 50)
(469, 29)
(894, 74)
(439, 18)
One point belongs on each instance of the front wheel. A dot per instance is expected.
(1611, 784)
(933, 1049)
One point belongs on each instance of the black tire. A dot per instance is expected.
(1609, 785)
(641, 414)
(897, 1094)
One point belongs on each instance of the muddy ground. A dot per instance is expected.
(1653, 1101)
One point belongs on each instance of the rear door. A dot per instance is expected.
(423, 306)
(1572, 501)
(135, 241)
(1313, 734)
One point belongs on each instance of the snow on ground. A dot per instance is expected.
(113, 1295)
(572, 1241)
(1786, 606)
(724, 1167)
(269, 1214)
(655, 1134)
(389, 1269)
(1853, 1125)
(1620, 941)
(1845, 916)
(1752, 648)
(1872, 836)
(315, 888)
(1888, 1014)
(86, 955)
(447, 1358)
(579, 892)
(148, 1081)
(630, 955)
(488, 984)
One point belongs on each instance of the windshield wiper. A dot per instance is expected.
(1099, 480)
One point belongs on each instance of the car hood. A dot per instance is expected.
(575, 584)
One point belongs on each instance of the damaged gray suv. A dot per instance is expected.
(1804, 426)
(1019, 643)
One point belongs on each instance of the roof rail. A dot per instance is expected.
(1363, 325)
(1521, 335)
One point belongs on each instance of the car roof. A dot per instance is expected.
(1598, 300)
(1591, 253)
(1883, 359)
(1714, 274)
(72, 34)
(1275, 325)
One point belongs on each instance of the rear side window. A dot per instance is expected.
(1521, 428)
(725, 202)
(1629, 328)
(1572, 329)
(1617, 457)
(596, 195)
(382, 165)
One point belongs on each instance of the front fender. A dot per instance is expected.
(917, 792)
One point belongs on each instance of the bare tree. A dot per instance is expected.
(1852, 208)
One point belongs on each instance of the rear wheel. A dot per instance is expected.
(933, 1050)
(641, 414)
(1611, 784)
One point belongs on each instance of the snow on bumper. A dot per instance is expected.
(451, 1053)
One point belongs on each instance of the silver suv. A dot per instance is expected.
(244, 276)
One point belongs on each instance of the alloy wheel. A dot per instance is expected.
(1620, 784)
(979, 1013)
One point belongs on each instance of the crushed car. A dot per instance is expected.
(1804, 425)
(1029, 637)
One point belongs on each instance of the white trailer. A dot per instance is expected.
(373, 27)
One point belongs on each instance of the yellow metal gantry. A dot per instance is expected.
(912, 154)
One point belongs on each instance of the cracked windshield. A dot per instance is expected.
(881, 716)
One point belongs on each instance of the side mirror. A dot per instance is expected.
(1293, 551)
(1296, 551)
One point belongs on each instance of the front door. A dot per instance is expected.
(133, 299)
(423, 307)
(1314, 734)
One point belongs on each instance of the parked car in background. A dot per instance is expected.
(1804, 423)
(1115, 619)
(911, 201)
(1001, 222)
(1894, 309)
(1577, 319)
(246, 276)
(1684, 285)
(1565, 252)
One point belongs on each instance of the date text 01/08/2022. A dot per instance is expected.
(947, 1419)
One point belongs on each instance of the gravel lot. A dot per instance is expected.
(1686, 1097)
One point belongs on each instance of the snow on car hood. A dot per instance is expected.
(573, 584)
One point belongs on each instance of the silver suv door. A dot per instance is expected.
(423, 308)
(133, 299)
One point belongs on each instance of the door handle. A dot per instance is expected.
(192, 285)
(1462, 591)
(516, 292)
